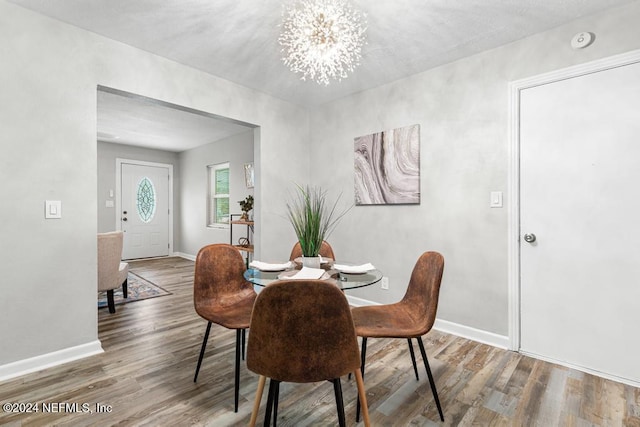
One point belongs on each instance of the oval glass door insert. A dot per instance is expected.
(146, 200)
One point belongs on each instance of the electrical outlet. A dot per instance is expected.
(384, 283)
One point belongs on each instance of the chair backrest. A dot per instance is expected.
(109, 256)
(302, 331)
(218, 278)
(424, 289)
(325, 250)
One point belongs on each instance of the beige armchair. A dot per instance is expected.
(112, 273)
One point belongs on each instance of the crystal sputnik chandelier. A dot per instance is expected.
(322, 39)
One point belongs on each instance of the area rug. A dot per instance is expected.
(138, 289)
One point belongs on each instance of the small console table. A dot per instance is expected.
(246, 247)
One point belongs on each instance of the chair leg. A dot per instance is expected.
(413, 359)
(256, 403)
(337, 389)
(236, 387)
(363, 356)
(244, 340)
(362, 397)
(267, 412)
(204, 345)
(111, 301)
(431, 381)
(276, 398)
(271, 401)
(125, 288)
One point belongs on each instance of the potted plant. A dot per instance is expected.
(313, 219)
(246, 205)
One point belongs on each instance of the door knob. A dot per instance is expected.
(529, 237)
(124, 219)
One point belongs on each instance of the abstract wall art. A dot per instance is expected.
(387, 167)
(248, 175)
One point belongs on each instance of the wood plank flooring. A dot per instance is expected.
(151, 348)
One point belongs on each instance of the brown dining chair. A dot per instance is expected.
(410, 318)
(302, 332)
(222, 296)
(325, 251)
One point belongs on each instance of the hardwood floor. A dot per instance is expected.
(145, 376)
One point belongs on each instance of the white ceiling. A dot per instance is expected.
(139, 121)
(237, 39)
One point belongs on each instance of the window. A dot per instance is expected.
(218, 203)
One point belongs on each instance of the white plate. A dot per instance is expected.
(354, 269)
(264, 266)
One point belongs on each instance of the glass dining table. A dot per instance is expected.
(344, 281)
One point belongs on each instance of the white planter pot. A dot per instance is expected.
(311, 262)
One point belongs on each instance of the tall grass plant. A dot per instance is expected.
(313, 218)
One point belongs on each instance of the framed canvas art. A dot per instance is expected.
(387, 167)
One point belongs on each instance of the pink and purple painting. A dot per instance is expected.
(387, 167)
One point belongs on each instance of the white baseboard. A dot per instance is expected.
(468, 332)
(495, 340)
(37, 363)
(186, 256)
(605, 375)
(359, 302)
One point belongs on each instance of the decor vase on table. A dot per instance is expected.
(311, 261)
(313, 219)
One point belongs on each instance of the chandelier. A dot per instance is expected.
(322, 39)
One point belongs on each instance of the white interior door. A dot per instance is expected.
(144, 210)
(580, 171)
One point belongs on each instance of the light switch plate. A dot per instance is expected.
(108, 204)
(52, 209)
(496, 199)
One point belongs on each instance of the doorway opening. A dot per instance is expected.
(139, 136)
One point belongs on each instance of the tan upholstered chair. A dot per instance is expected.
(325, 251)
(302, 332)
(222, 296)
(410, 318)
(112, 273)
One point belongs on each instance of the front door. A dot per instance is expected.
(144, 216)
(580, 216)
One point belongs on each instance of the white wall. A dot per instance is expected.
(237, 150)
(49, 73)
(107, 155)
(462, 109)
